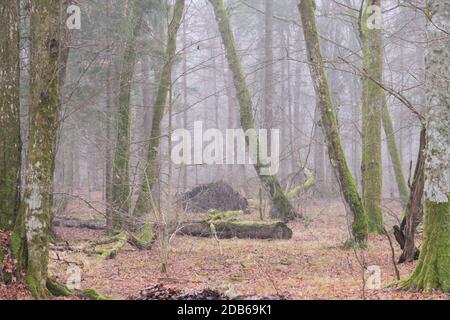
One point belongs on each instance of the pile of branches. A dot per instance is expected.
(218, 195)
(159, 292)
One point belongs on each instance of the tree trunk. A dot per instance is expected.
(395, 155)
(36, 204)
(120, 190)
(330, 125)
(268, 121)
(372, 104)
(414, 210)
(143, 204)
(10, 141)
(280, 204)
(433, 269)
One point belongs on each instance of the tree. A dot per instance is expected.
(268, 121)
(433, 268)
(35, 208)
(330, 124)
(394, 155)
(10, 141)
(372, 107)
(143, 204)
(281, 207)
(120, 191)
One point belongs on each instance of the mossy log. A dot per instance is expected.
(144, 239)
(239, 229)
(80, 223)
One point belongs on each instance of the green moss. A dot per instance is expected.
(280, 204)
(395, 155)
(248, 223)
(146, 233)
(330, 123)
(92, 294)
(214, 215)
(37, 291)
(109, 253)
(57, 289)
(433, 268)
(310, 181)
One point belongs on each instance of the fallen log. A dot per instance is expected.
(238, 229)
(78, 223)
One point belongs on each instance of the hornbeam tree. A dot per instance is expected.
(281, 207)
(330, 125)
(35, 208)
(372, 107)
(10, 142)
(433, 268)
(120, 189)
(143, 204)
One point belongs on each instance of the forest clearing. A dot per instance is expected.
(224, 150)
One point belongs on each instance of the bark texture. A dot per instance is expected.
(120, 190)
(330, 125)
(10, 141)
(372, 104)
(35, 209)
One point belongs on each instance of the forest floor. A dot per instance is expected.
(312, 265)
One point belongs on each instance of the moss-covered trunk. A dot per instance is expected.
(330, 124)
(10, 142)
(120, 189)
(35, 209)
(281, 208)
(372, 106)
(433, 269)
(143, 204)
(395, 155)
